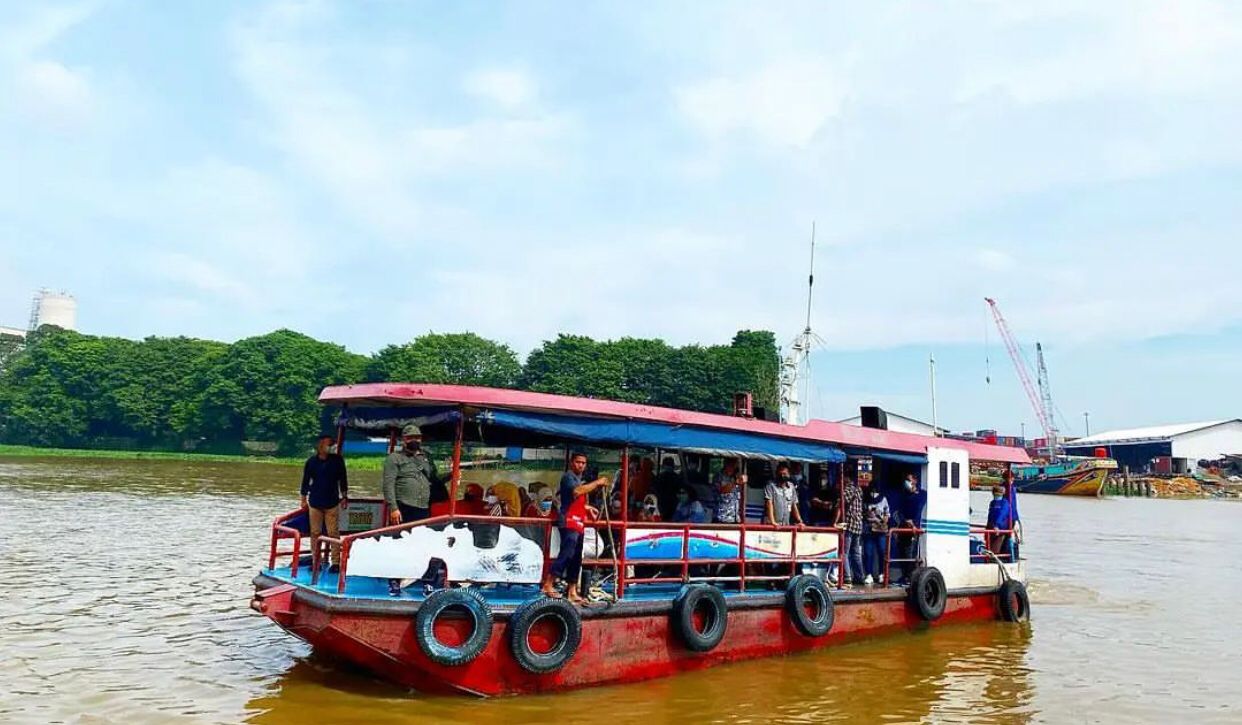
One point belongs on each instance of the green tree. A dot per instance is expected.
(461, 359)
(574, 365)
(162, 388)
(266, 388)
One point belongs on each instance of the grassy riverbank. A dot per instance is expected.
(363, 463)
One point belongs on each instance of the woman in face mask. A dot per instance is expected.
(875, 534)
(650, 509)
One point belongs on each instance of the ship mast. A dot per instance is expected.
(795, 374)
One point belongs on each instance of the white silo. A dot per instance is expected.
(54, 308)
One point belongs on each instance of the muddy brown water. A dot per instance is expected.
(125, 590)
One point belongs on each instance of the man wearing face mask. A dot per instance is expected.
(409, 475)
(909, 514)
(780, 499)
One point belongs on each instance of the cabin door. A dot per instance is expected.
(946, 545)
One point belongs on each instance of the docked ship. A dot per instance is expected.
(1073, 476)
(675, 596)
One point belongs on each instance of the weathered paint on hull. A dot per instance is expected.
(613, 650)
(1087, 483)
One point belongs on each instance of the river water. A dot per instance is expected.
(126, 583)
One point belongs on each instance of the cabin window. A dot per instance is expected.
(944, 474)
(957, 475)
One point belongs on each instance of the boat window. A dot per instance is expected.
(957, 475)
(944, 474)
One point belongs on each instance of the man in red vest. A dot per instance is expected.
(571, 523)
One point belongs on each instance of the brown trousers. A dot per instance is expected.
(330, 519)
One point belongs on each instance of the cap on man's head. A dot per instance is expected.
(411, 430)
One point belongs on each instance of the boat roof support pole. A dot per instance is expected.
(340, 431)
(625, 519)
(456, 473)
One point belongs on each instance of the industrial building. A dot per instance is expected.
(1165, 448)
(878, 418)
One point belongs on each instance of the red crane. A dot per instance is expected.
(1043, 413)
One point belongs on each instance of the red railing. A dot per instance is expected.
(888, 550)
(684, 562)
(988, 535)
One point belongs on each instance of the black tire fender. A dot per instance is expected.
(804, 592)
(1013, 601)
(557, 611)
(465, 601)
(707, 601)
(928, 593)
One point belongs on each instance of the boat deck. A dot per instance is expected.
(371, 594)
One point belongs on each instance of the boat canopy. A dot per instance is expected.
(520, 417)
(515, 427)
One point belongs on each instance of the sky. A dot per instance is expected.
(367, 172)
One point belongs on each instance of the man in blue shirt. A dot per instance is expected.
(571, 523)
(911, 509)
(1000, 522)
(325, 486)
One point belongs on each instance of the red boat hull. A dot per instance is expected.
(614, 649)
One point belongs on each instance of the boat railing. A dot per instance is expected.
(684, 563)
(282, 532)
(917, 559)
(987, 534)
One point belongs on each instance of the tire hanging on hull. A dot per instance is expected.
(558, 613)
(461, 600)
(705, 603)
(1013, 601)
(928, 593)
(808, 592)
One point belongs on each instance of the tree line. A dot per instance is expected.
(68, 389)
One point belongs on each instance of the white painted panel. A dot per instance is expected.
(514, 559)
(946, 545)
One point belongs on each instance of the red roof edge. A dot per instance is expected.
(418, 394)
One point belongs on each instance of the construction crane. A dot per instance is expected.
(1040, 395)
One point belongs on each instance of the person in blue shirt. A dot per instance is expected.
(689, 510)
(909, 514)
(1000, 517)
(324, 489)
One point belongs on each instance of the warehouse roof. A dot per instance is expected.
(1152, 433)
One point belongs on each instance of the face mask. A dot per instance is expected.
(997, 497)
(490, 499)
(650, 509)
(910, 486)
(784, 476)
(545, 506)
(413, 445)
(683, 498)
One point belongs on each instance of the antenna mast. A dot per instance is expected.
(795, 367)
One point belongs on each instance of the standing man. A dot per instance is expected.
(851, 520)
(910, 513)
(324, 489)
(780, 499)
(571, 523)
(1000, 521)
(409, 475)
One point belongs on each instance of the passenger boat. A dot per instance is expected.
(1077, 476)
(680, 596)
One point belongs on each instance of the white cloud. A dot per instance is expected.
(371, 158)
(783, 103)
(507, 88)
(49, 92)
